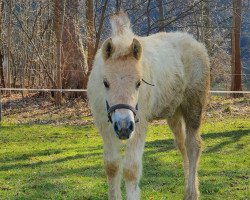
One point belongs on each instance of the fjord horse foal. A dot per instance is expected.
(137, 79)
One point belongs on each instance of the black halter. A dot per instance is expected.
(120, 106)
(124, 106)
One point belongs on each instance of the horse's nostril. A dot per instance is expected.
(131, 126)
(116, 126)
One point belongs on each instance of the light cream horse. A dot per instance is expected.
(120, 95)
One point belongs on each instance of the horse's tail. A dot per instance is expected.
(120, 24)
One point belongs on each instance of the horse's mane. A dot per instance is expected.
(120, 24)
(122, 34)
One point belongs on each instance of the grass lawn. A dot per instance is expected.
(65, 162)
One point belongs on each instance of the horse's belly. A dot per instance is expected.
(164, 112)
(166, 107)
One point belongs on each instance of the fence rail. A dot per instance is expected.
(84, 90)
(43, 90)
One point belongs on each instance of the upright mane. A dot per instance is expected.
(120, 24)
(122, 34)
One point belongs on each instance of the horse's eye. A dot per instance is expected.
(106, 84)
(138, 84)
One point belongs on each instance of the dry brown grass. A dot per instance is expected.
(35, 109)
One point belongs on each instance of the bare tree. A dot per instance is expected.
(1, 46)
(73, 60)
(90, 33)
(148, 17)
(59, 12)
(236, 84)
(118, 4)
(161, 15)
(9, 48)
(99, 31)
(1, 58)
(206, 34)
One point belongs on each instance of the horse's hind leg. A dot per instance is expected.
(192, 111)
(112, 162)
(177, 125)
(133, 163)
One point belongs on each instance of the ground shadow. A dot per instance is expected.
(25, 157)
(233, 136)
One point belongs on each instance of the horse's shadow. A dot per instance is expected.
(232, 136)
(41, 163)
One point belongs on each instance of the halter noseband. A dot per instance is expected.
(124, 106)
(121, 106)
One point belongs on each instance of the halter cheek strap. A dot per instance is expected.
(121, 106)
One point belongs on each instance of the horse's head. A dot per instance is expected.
(121, 81)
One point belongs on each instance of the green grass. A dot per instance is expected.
(65, 162)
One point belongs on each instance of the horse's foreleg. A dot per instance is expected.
(112, 162)
(133, 165)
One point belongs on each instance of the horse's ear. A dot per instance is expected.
(107, 49)
(136, 49)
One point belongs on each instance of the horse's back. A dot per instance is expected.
(176, 47)
(177, 64)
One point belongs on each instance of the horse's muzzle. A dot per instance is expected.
(123, 128)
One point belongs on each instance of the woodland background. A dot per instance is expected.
(52, 43)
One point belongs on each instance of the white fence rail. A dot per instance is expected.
(43, 90)
(84, 90)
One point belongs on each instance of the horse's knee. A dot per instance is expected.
(193, 120)
(112, 169)
(131, 174)
(194, 143)
(199, 141)
(181, 145)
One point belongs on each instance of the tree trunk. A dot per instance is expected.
(236, 84)
(73, 61)
(1, 50)
(99, 32)
(206, 29)
(9, 49)
(59, 10)
(161, 15)
(90, 34)
(148, 17)
(1, 70)
(118, 4)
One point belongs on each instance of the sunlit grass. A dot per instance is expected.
(65, 162)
